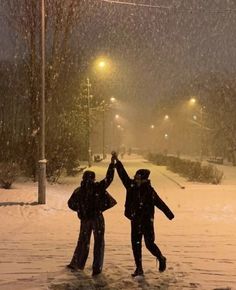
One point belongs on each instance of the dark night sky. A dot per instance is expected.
(155, 51)
(159, 49)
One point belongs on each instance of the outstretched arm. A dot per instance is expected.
(159, 203)
(122, 173)
(109, 175)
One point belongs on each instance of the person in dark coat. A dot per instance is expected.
(141, 199)
(89, 201)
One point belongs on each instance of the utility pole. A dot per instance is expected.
(201, 133)
(89, 121)
(42, 162)
(103, 131)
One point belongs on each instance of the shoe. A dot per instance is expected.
(74, 268)
(96, 272)
(71, 267)
(137, 272)
(162, 264)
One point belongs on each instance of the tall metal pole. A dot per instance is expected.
(201, 133)
(88, 103)
(42, 161)
(103, 132)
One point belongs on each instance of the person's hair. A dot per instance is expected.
(142, 174)
(88, 175)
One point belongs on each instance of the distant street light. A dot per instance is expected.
(102, 64)
(166, 117)
(193, 101)
(152, 126)
(117, 116)
(113, 100)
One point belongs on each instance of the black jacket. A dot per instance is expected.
(141, 201)
(91, 199)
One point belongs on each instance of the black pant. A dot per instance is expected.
(97, 226)
(144, 228)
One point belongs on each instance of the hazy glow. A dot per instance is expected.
(193, 101)
(102, 64)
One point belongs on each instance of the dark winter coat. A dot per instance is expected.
(91, 199)
(141, 201)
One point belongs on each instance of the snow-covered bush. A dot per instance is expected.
(8, 173)
(158, 159)
(192, 170)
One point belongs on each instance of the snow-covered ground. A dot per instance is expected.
(37, 241)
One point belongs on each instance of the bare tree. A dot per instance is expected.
(23, 16)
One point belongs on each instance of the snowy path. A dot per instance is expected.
(200, 243)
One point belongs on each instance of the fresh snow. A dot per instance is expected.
(37, 241)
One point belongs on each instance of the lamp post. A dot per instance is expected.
(193, 101)
(103, 130)
(201, 132)
(102, 64)
(42, 161)
(89, 121)
(104, 106)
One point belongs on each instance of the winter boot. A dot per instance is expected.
(138, 272)
(96, 272)
(162, 264)
(73, 267)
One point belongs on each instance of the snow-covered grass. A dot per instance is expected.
(37, 241)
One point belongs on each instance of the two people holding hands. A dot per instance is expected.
(91, 199)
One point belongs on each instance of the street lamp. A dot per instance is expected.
(152, 126)
(104, 104)
(166, 117)
(113, 100)
(193, 101)
(89, 121)
(102, 64)
(42, 160)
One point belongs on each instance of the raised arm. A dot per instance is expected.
(159, 203)
(123, 174)
(109, 176)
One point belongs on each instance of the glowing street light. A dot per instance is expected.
(113, 100)
(192, 101)
(117, 116)
(102, 64)
(166, 136)
(152, 126)
(166, 117)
